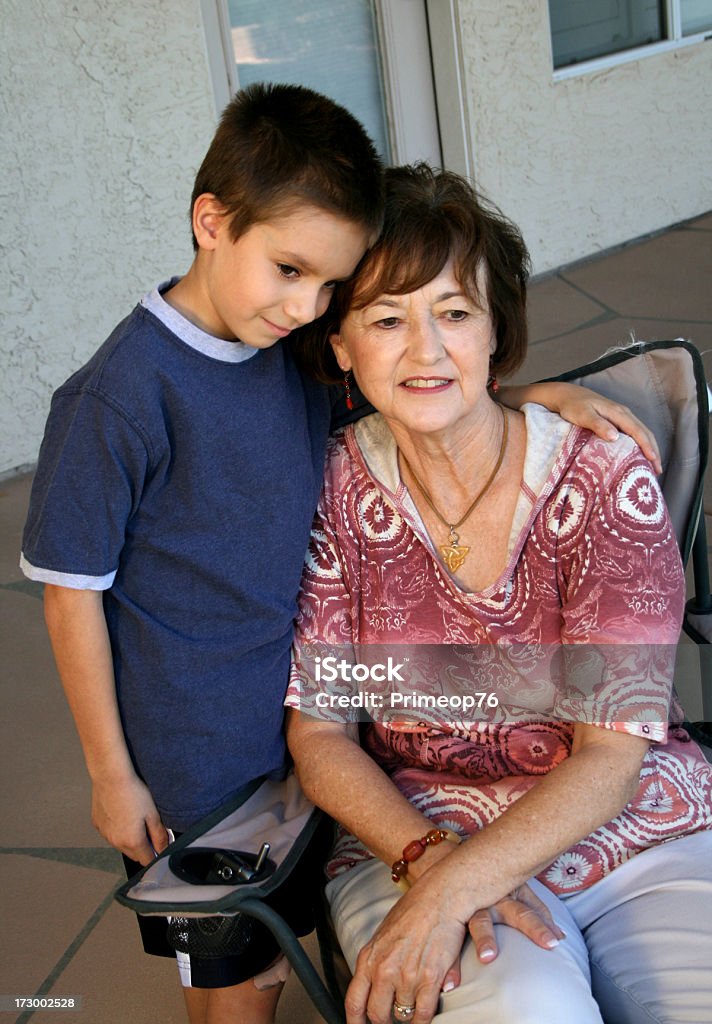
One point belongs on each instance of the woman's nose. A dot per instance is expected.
(424, 341)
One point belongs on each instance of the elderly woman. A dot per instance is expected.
(446, 519)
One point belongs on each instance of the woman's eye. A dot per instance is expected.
(456, 315)
(287, 271)
(388, 322)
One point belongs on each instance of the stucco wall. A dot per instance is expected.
(107, 109)
(589, 162)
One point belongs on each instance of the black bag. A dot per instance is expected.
(268, 843)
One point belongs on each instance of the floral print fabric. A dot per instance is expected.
(592, 561)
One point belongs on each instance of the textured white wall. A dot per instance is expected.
(107, 110)
(588, 162)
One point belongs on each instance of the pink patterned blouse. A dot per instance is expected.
(592, 561)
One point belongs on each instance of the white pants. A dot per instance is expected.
(638, 946)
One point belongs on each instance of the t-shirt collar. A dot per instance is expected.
(201, 341)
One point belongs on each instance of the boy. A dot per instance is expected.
(176, 487)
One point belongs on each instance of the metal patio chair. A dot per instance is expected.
(663, 382)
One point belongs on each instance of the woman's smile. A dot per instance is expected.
(427, 383)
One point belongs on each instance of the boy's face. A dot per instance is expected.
(278, 275)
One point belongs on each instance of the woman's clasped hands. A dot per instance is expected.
(414, 955)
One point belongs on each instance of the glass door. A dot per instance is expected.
(328, 45)
(372, 56)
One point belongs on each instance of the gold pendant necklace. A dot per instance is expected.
(454, 553)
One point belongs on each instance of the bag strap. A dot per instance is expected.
(326, 1005)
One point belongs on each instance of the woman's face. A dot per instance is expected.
(421, 359)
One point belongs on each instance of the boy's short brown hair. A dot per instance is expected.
(278, 146)
(433, 216)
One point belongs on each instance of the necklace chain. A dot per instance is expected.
(455, 553)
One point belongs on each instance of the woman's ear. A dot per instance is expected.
(208, 219)
(340, 353)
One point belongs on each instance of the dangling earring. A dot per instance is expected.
(349, 400)
(492, 384)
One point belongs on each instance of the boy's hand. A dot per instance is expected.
(605, 418)
(587, 409)
(125, 815)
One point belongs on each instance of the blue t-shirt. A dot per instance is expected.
(179, 474)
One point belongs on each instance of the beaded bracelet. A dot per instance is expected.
(411, 852)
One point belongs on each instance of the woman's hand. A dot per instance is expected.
(398, 964)
(408, 960)
(521, 909)
(587, 409)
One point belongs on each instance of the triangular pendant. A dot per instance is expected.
(454, 555)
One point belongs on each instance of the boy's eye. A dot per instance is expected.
(287, 271)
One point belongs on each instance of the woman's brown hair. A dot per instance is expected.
(432, 217)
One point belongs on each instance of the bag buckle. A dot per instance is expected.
(208, 866)
(231, 867)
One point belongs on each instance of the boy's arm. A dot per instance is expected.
(587, 409)
(123, 810)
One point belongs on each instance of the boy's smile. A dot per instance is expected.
(278, 275)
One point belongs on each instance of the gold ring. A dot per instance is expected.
(403, 1011)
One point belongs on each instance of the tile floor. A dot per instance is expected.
(62, 934)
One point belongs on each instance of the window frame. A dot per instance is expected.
(216, 32)
(675, 41)
(408, 85)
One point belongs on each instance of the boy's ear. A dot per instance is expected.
(342, 356)
(208, 218)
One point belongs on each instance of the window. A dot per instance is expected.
(695, 16)
(328, 45)
(372, 56)
(584, 30)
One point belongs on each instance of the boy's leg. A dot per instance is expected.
(252, 1000)
(232, 1005)
(217, 998)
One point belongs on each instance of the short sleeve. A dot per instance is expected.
(91, 471)
(623, 591)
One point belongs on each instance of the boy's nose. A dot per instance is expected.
(304, 306)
